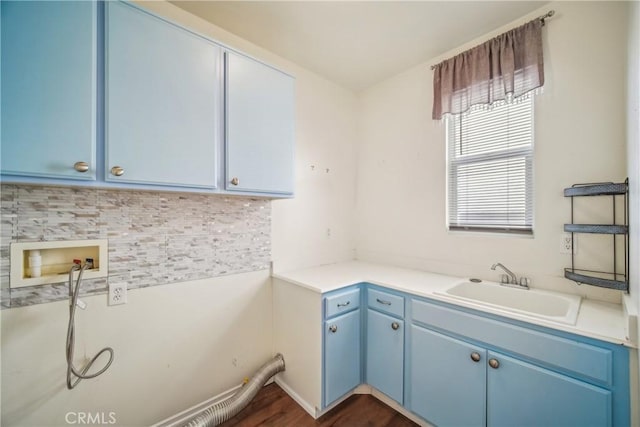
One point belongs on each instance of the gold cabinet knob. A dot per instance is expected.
(475, 356)
(81, 166)
(117, 171)
(333, 328)
(235, 181)
(494, 363)
(395, 326)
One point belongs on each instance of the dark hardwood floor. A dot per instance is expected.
(273, 407)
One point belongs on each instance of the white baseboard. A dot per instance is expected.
(180, 418)
(397, 407)
(361, 389)
(310, 409)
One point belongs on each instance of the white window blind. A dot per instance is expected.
(490, 170)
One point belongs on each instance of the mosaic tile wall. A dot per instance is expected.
(154, 238)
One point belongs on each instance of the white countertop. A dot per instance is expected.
(600, 320)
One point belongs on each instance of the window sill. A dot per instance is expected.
(490, 233)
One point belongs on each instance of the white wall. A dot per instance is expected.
(175, 343)
(580, 123)
(173, 347)
(315, 227)
(633, 154)
(633, 138)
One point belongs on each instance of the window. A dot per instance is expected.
(490, 170)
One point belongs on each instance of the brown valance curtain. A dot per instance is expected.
(503, 68)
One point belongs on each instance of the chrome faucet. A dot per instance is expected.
(511, 279)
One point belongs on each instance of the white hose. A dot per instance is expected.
(217, 414)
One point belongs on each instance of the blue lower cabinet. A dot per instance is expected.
(471, 369)
(455, 383)
(460, 367)
(448, 377)
(341, 356)
(385, 354)
(522, 394)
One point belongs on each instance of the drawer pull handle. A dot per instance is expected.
(395, 326)
(117, 171)
(494, 363)
(381, 301)
(344, 304)
(333, 328)
(81, 166)
(475, 356)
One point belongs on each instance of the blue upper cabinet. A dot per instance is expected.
(163, 101)
(175, 114)
(48, 89)
(259, 127)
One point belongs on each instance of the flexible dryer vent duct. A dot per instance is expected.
(220, 412)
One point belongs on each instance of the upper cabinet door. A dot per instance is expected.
(163, 94)
(259, 127)
(48, 89)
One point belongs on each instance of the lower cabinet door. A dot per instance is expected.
(342, 356)
(521, 394)
(447, 379)
(385, 354)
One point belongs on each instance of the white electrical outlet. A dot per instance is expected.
(117, 293)
(567, 245)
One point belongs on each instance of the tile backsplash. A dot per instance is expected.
(154, 238)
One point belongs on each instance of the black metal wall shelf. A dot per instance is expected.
(611, 280)
(596, 228)
(590, 277)
(600, 189)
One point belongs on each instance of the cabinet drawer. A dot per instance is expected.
(582, 360)
(386, 302)
(341, 302)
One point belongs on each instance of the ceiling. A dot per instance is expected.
(359, 43)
